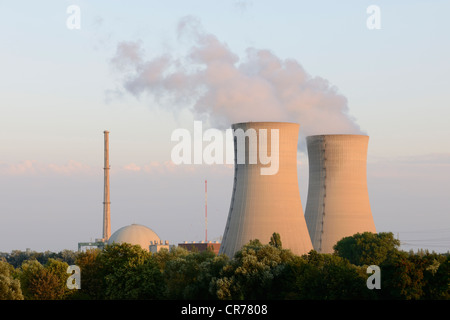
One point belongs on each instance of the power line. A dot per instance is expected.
(426, 231)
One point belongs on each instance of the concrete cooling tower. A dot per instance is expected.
(265, 197)
(338, 201)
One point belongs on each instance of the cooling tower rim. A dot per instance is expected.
(264, 122)
(337, 135)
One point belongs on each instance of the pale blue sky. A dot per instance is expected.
(57, 96)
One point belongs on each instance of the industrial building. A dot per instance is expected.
(338, 200)
(201, 246)
(264, 204)
(134, 234)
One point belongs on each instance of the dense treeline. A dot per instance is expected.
(256, 272)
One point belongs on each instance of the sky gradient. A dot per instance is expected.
(61, 88)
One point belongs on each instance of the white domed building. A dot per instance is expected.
(135, 234)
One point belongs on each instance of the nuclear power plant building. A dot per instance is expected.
(266, 202)
(338, 200)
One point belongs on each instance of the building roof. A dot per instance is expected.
(135, 234)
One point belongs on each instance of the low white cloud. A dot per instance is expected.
(33, 167)
(168, 167)
(430, 166)
(132, 167)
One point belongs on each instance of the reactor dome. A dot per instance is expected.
(135, 234)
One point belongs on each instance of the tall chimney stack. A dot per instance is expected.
(106, 199)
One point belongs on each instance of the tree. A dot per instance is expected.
(91, 279)
(140, 281)
(253, 273)
(436, 276)
(367, 248)
(68, 256)
(402, 277)
(26, 273)
(9, 287)
(164, 256)
(209, 271)
(188, 276)
(45, 285)
(415, 276)
(327, 277)
(59, 270)
(440, 286)
(129, 272)
(120, 271)
(47, 282)
(275, 240)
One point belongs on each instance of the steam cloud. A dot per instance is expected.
(217, 86)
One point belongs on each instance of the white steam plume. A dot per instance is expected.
(216, 85)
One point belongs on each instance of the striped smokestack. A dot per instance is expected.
(106, 199)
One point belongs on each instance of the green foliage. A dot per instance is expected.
(17, 257)
(164, 256)
(91, 276)
(415, 276)
(47, 282)
(9, 287)
(59, 270)
(44, 285)
(187, 276)
(439, 286)
(275, 240)
(128, 272)
(257, 271)
(135, 281)
(121, 255)
(253, 272)
(327, 277)
(27, 272)
(367, 248)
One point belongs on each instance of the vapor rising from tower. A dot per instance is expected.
(264, 204)
(338, 200)
(106, 199)
(220, 87)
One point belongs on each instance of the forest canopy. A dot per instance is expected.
(257, 271)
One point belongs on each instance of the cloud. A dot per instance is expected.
(242, 5)
(431, 158)
(72, 168)
(168, 167)
(132, 167)
(33, 167)
(434, 166)
(127, 53)
(27, 166)
(218, 86)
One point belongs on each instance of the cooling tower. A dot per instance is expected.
(265, 197)
(338, 200)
